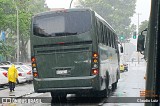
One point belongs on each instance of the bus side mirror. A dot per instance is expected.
(121, 49)
(140, 43)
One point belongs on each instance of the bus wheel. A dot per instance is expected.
(114, 86)
(106, 91)
(58, 97)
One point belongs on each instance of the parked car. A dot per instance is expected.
(28, 64)
(17, 63)
(21, 73)
(125, 66)
(3, 77)
(5, 63)
(28, 72)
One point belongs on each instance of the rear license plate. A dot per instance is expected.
(61, 72)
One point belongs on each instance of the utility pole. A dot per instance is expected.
(70, 4)
(17, 31)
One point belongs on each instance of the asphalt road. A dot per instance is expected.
(129, 87)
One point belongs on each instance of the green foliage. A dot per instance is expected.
(5, 50)
(143, 26)
(6, 11)
(8, 20)
(117, 13)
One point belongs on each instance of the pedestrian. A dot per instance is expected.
(12, 77)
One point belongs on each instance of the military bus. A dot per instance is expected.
(74, 51)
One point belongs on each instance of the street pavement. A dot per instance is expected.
(20, 90)
(129, 86)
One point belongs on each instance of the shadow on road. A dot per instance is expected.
(72, 101)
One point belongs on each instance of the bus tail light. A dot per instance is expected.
(34, 67)
(95, 55)
(33, 59)
(35, 74)
(95, 60)
(95, 64)
(60, 43)
(95, 71)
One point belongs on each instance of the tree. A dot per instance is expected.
(117, 13)
(5, 50)
(7, 23)
(143, 25)
(26, 8)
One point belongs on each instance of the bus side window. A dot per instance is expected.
(96, 25)
(114, 46)
(99, 34)
(116, 42)
(103, 33)
(112, 37)
(105, 37)
(110, 40)
(106, 34)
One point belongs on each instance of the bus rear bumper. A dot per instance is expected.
(69, 84)
(67, 90)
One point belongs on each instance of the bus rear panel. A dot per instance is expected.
(72, 51)
(62, 50)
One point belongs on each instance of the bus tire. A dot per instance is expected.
(105, 93)
(58, 97)
(114, 86)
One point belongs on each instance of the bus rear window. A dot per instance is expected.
(58, 24)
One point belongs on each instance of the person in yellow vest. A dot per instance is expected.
(12, 77)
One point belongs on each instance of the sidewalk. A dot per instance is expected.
(130, 86)
(140, 64)
(20, 90)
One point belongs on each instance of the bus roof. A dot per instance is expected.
(58, 10)
(104, 21)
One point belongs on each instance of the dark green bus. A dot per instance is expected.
(74, 51)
